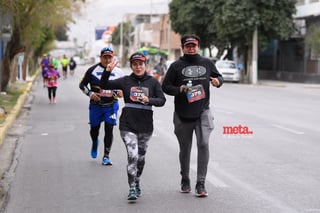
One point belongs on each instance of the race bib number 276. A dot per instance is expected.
(137, 92)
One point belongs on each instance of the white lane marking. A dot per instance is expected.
(214, 166)
(288, 129)
(214, 180)
(313, 210)
(224, 111)
(258, 193)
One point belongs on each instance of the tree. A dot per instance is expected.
(237, 20)
(61, 33)
(194, 17)
(30, 19)
(232, 23)
(313, 38)
(127, 30)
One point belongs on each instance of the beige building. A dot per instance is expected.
(154, 31)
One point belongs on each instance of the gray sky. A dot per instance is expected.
(110, 12)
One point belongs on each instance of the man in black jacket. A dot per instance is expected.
(188, 80)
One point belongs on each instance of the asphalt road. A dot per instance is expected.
(274, 169)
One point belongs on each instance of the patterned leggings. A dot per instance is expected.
(136, 145)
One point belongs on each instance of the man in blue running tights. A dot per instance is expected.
(103, 105)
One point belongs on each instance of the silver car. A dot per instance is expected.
(228, 70)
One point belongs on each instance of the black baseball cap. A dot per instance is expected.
(106, 51)
(190, 39)
(137, 56)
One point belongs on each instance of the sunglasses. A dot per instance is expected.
(106, 49)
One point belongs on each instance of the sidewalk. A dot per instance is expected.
(287, 84)
(7, 149)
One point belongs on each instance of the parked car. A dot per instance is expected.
(228, 70)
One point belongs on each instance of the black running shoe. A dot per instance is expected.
(132, 194)
(201, 190)
(138, 189)
(185, 185)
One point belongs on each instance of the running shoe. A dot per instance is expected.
(201, 190)
(132, 194)
(106, 161)
(185, 185)
(138, 189)
(94, 149)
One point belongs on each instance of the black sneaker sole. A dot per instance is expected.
(106, 164)
(132, 198)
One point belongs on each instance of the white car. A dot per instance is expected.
(228, 70)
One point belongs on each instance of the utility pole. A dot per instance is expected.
(254, 67)
(169, 38)
(151, 24)
(121, 42)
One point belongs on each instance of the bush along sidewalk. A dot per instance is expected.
(9, 99)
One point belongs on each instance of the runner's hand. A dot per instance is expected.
(119, 93)
(183, 88)
(112, 65)
(144, 99)
(95, 97)
(215, 82)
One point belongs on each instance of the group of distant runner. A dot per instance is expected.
(50, 73)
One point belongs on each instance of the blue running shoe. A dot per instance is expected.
(106, 161)
(94, 149)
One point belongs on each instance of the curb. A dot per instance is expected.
(15, 111)
(3, 132)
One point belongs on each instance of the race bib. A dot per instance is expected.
(196, 93)
(137, 92)
(106, 93)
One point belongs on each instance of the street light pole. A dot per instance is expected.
(254, 71)
(121, 42)
(169, 37)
